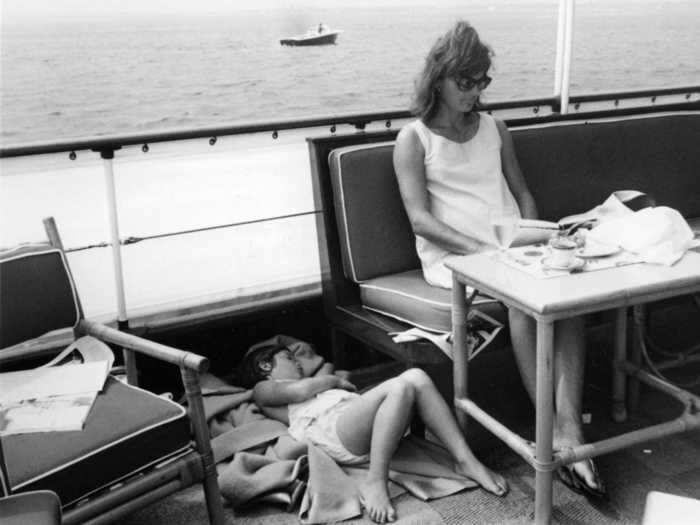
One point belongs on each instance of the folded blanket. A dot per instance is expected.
(258, 459)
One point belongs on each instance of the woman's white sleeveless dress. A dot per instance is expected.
(464, 182)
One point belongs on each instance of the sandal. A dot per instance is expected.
(572, 479)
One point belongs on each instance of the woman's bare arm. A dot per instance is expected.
(275, 393)
(514, 175)
(410, 171)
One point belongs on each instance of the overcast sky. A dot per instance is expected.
(13, 9)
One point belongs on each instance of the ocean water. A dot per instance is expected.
(77, 77)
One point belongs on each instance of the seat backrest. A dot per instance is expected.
(572, 166)
(374, 232)
(37, 294)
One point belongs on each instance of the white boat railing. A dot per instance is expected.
(228, 212)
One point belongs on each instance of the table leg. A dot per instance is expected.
(460, 352)
(634, 354)
(619, 410)
(544, 422)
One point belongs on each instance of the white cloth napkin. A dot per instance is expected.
(614, 206)
(656, 235)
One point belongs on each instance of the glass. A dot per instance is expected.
(505, 225)
(466, 83)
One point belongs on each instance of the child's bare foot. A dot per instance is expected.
(487, 478)
(375, 498)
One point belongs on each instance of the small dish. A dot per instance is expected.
(575, 264)
(592, 250)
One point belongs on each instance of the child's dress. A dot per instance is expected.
(314, 421)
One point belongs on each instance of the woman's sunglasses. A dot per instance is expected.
(468, 83)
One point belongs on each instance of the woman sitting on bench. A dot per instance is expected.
(455, 168)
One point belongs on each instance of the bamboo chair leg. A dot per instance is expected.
(210, 484)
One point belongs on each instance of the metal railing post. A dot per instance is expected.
(113, 218)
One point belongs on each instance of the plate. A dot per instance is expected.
(597, 250)
(576, 263)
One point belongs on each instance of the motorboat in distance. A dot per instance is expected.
(319, 36)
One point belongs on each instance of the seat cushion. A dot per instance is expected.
(406, 296)
(127, 430)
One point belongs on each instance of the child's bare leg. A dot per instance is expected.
(375, 423)
(438, 418)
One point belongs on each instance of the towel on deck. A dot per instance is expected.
(258, 460)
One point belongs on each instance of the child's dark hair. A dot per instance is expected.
(251, 370)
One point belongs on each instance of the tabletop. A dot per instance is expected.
(578, 293)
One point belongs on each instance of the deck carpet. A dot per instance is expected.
(670, 465)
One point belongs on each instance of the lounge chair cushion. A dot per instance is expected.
(127, 430)
(407, 297)
(52, 302)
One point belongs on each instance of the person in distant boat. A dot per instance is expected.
(321, 28)
(353, 428)
(456, 167)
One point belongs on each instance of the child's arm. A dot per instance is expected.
(275, 393)
(325, 369)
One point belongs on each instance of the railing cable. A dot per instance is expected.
(134, 239)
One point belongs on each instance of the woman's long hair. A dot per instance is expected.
(457, 53)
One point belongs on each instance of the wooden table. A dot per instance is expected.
(547, 301)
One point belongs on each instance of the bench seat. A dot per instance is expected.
(368, 255)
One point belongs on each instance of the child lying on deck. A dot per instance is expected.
(355, 428)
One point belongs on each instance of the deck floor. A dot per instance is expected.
(670, 465)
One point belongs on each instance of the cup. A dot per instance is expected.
(562, 252)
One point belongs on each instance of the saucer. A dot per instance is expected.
(575, 264)
(592, 250)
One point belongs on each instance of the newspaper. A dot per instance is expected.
(481, 330)
(532, 231)
(57, 396)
